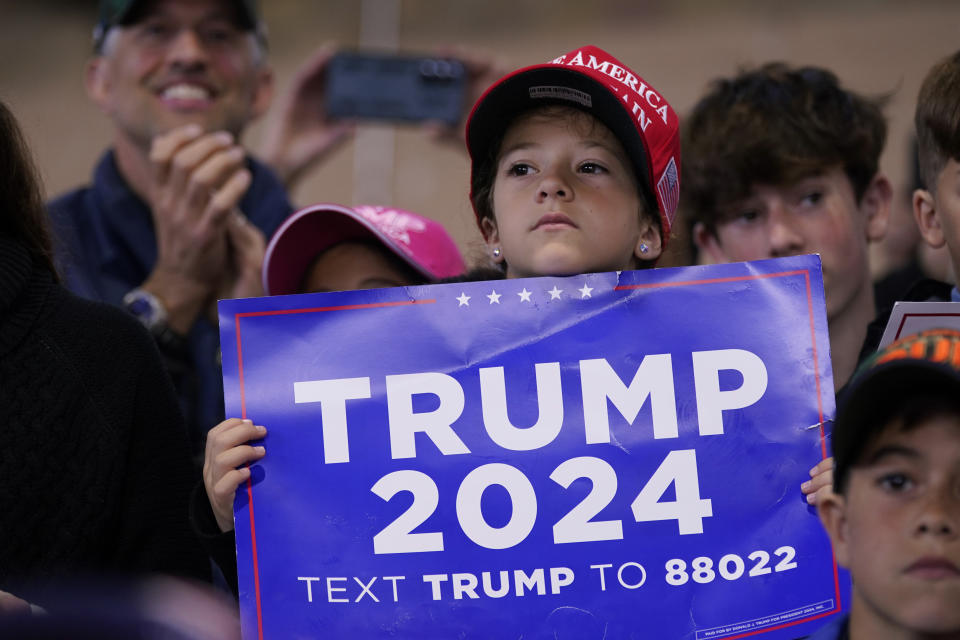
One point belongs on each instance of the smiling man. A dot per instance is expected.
(177, 211)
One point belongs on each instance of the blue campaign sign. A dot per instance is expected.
(599, 456)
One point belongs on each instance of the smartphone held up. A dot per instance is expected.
(397, 88)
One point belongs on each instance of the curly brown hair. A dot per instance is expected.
(775, 125)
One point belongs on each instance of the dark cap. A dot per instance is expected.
(925, 363)
(124, 12)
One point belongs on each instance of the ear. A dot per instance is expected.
(96, 80)
(875, 204)
(650, 239)
(262, 91)
(708, 244)
(833, 516)
(925, 213)
(491, 237)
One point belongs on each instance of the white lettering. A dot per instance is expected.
(435, 579)
(534, 580)
(662, 112)
(436, 424)
(493, 395)
(332, 396)
(653, 379)
(365, 589)
(393, 581)
(331, 589)
(641, 116)
(635, 585)
(560, 577)
(500, 591)
(592, 63)
(464, 583)
(603, 568)
(309, 582)
(711, 401)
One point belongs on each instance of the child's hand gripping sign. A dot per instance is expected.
(599, 456)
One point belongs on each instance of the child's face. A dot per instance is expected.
(897, 528)
(566, 200)
(819, 214)
(938, 212)
(354, 265)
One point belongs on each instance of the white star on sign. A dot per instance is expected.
(585, 291)
(524, 295)
(494, 297)
(555, 293)
(464, 300)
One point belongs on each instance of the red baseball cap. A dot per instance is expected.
(420, 242)
(592, 80)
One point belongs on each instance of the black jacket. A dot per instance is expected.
(95, 472)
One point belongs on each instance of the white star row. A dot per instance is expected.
(494, 297)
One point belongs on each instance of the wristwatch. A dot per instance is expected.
(146, 308)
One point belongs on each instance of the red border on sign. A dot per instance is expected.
(243, 412)
(658, 285)
(816, 373)
(903, 320)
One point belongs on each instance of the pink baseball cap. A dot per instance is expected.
(420, 242)
(592, 80)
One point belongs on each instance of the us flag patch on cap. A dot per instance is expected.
(669, 189)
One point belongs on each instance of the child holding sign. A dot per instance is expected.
(575, 168)
(323, 247)
(565, 156)
(895, 517)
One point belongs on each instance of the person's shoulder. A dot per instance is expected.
(76, 203)
(928, 290)
(95, 330)
(67, 204)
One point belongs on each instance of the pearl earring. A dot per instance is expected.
(644, 248)
(496, 252)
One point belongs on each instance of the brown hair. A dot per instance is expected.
(23, 216)
(937, 119)
(776, 125)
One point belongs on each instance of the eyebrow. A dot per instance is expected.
(888, 451)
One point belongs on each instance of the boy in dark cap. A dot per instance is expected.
(894, 516)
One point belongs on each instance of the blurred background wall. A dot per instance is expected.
(679, 46)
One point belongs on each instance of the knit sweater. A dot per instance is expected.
(95, 473)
